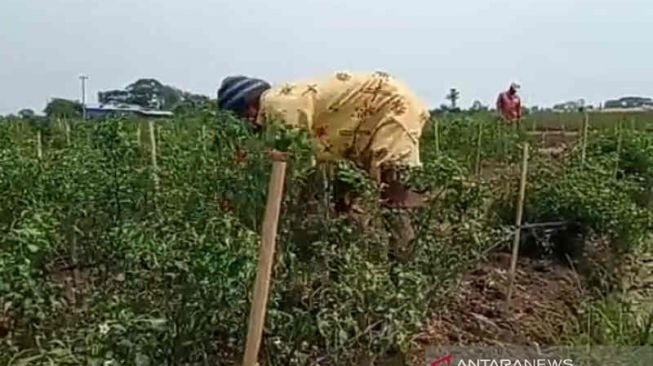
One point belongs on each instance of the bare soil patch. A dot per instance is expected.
(545, 301)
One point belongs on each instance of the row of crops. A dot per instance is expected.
(599, 119)
(110, 255)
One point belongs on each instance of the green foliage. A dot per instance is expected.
(548, 120)
(458, 139)
(635, 150)
(26, 113)
(614, 322)
(99, 264)
(589, 197)
(63, 108)
(151, 93)
(453, 97)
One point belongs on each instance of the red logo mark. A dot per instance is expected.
(441, 361)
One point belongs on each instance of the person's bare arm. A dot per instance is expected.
(519, 110)
(500, 107)
(394, 194)
(276, 155)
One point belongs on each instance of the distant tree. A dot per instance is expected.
(152, 94)
(192, 102)
(477, 106)
(453, 97)
(114, 97)
(443, 108)
(570, 106)
(26, 113)
(63, 108)
(628, 102)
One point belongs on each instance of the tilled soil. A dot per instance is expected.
(545, 302)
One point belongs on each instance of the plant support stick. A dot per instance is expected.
(264, 270)
(477, 163)
(67, 126)
(203, 137)
(39, 145)
(583, 152)
(518, 222)
(619, 143)
(436, 128)
(155, 167)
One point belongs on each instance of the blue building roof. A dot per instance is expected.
(105, 109)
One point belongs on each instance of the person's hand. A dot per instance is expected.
(276, 155)
(413, 200)
(396, 196)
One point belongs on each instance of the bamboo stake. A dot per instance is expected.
(326, 189)
(39, 145)
(67, 127)
(76, 275)
(518, 222)
(264, 270)
(203, 136)
(583, 152)
(502, 141)
(436, 127)
(619, 143)
(477, 163)
(155, 167)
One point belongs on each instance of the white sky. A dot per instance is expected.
(558, 49)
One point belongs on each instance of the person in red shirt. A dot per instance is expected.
(509, 105)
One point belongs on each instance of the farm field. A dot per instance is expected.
(125, 242)
(601, 120)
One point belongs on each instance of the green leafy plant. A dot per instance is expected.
(99, 264)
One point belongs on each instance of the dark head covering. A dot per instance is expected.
(235, 91)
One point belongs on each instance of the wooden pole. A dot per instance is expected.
(502, 141)
(326, 188)
(67, 127)
(619, 143)
(203, 136)
(155, 167)
(266, 257)
(436, 127)
(477, 162)
(518, 222)
(586, 122)
(76, 275)
(39, 145)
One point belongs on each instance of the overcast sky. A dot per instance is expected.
(557, 49)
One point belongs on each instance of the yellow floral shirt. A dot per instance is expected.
(370, 118)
